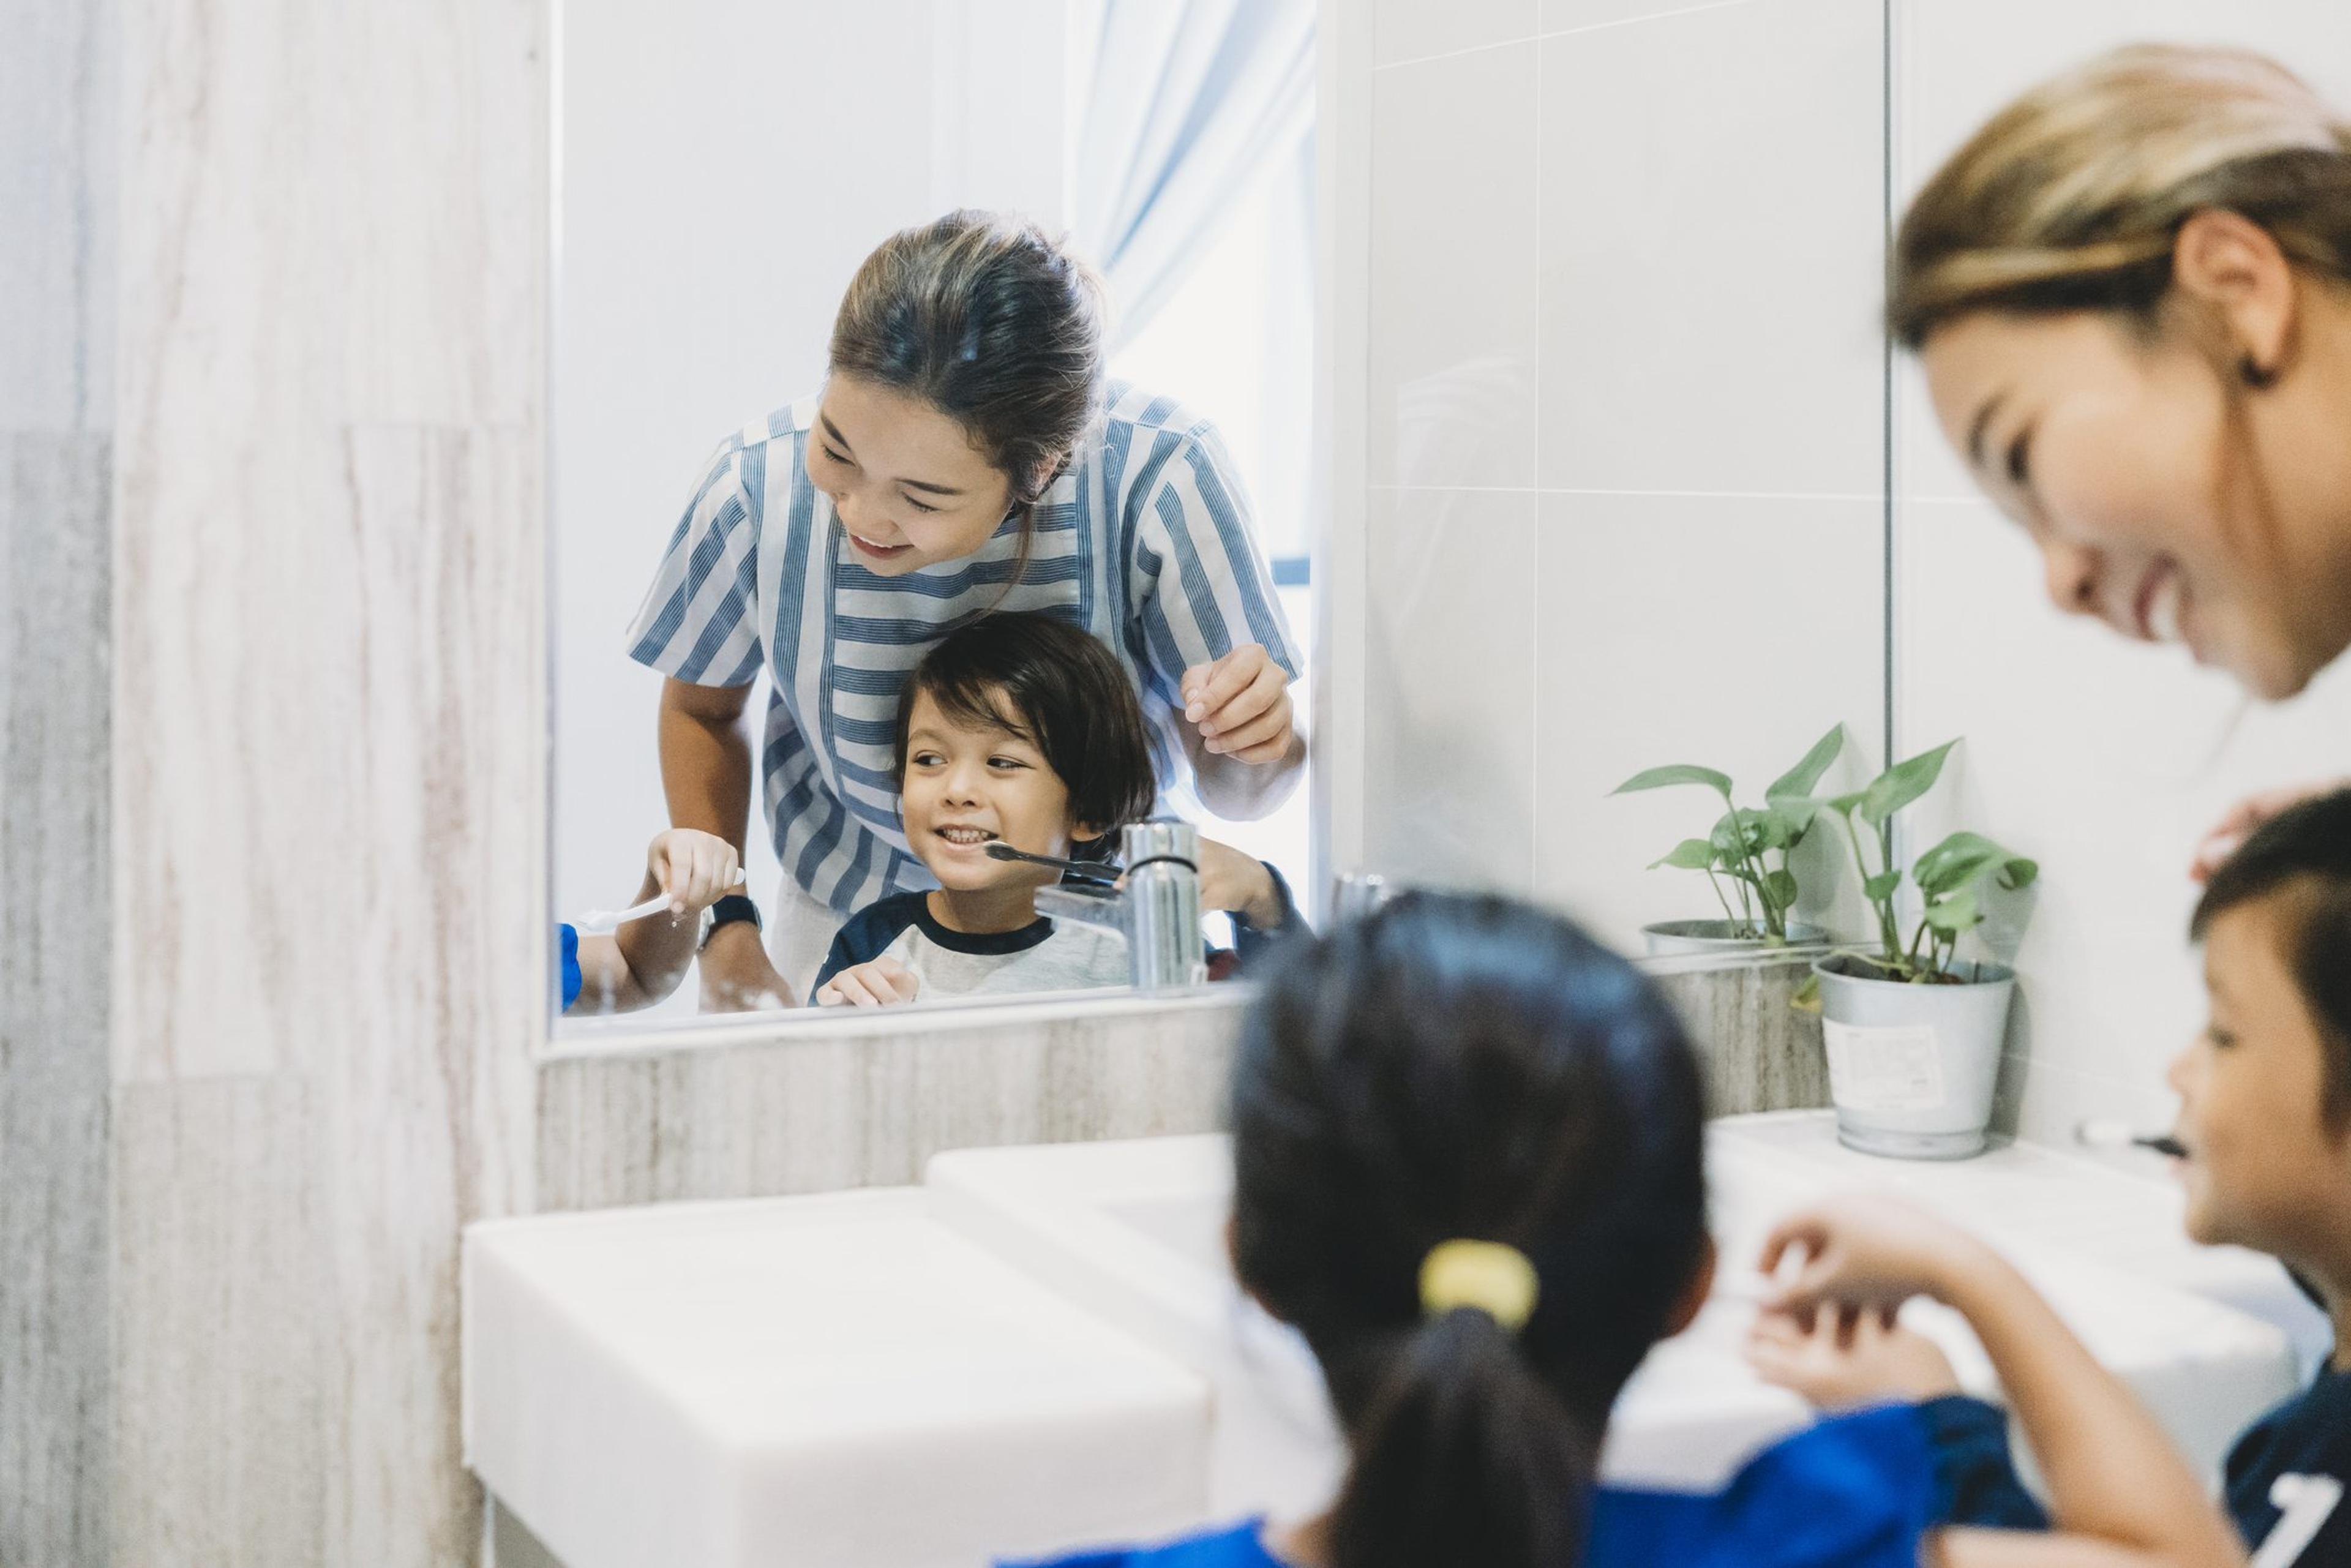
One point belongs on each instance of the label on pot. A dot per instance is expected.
(1879, 1068)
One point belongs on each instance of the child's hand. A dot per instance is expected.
(880, 983)
(1867, 1252)
(1851, 1357)
(694, 869)
(1239, 883)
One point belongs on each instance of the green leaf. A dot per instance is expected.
(1690, 855)
(1807, 996)
(1954, 912)
(1963, 859)
(1779, 889)
(1901, 784)
(1796, 817)
(1880, 888)
(1805, 776)
(1842, 805)
(1677, 773)
(1955, 862)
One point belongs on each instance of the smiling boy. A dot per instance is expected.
(2265, 1124)
(1017, 729)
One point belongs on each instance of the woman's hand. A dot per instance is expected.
(1862, 1251)
(1240, 706)
(879, 983)
(1239, 884)
(694, 868)
(737, 977)
(1850, 1358)
(2245, 817)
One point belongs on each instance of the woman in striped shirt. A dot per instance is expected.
(967, 454)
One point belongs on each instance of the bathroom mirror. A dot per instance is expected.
(705, 236)
(1624, 445)
(1541, 341)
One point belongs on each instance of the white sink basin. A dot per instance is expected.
(1045, 1347)
(835, 1380)
(1134, 1232)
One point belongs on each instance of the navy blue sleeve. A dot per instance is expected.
(867, 935)
(1252, 944)
(1975, 1476)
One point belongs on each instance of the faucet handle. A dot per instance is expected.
(1160, 839)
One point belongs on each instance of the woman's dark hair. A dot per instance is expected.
(1056, 687)
(991, 322)
(2302, 856)
(1466, 1068)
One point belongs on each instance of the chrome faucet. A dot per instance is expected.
(1157, 907)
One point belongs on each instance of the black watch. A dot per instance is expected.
(727, 912)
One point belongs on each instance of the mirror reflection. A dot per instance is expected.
(1011, 558)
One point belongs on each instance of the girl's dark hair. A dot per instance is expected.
(1056, 687)
(2304, 855)
(1466, 1068)
(991, 322)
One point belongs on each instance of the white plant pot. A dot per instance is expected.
(1674, 938)
(1912, 1068)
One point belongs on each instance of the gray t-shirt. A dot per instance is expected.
(1042, 956)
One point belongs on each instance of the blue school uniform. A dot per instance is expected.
(1854, 1493)
(2288, 1477)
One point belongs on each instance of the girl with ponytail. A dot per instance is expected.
(1469, 1170)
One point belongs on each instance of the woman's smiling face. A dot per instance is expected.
(910, 488)
(2188, 480)
(2117, 456)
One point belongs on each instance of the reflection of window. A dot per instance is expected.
(1235, 342)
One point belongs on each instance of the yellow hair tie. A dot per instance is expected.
(1492, 1276)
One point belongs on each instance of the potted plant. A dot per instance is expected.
(1914, 1032)
(1745, 857)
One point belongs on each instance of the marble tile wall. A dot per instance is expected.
(57, 244)
(783, 1116)
(327, 756)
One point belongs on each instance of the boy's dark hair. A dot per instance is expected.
(1466, 1068)
(1056, 687)
(2304, 853)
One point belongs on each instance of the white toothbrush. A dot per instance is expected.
(598, 922)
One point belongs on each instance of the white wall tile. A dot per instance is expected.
(1565, 15)
(2104, 760)
(1452, 301)
(1712, 211)
(1415, 29)
(1450, 655)
(1730, 632)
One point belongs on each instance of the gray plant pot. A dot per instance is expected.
(1673, 938)
(1912, 1068)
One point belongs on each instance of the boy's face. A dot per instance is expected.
(967, 786)
(2263, 1169)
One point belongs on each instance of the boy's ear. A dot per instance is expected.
(1694, 1294)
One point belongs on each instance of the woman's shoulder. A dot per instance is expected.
(1857, 1492)
(1128, 409)
(1239, 1546)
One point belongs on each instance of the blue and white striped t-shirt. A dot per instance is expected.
(1145, 540)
